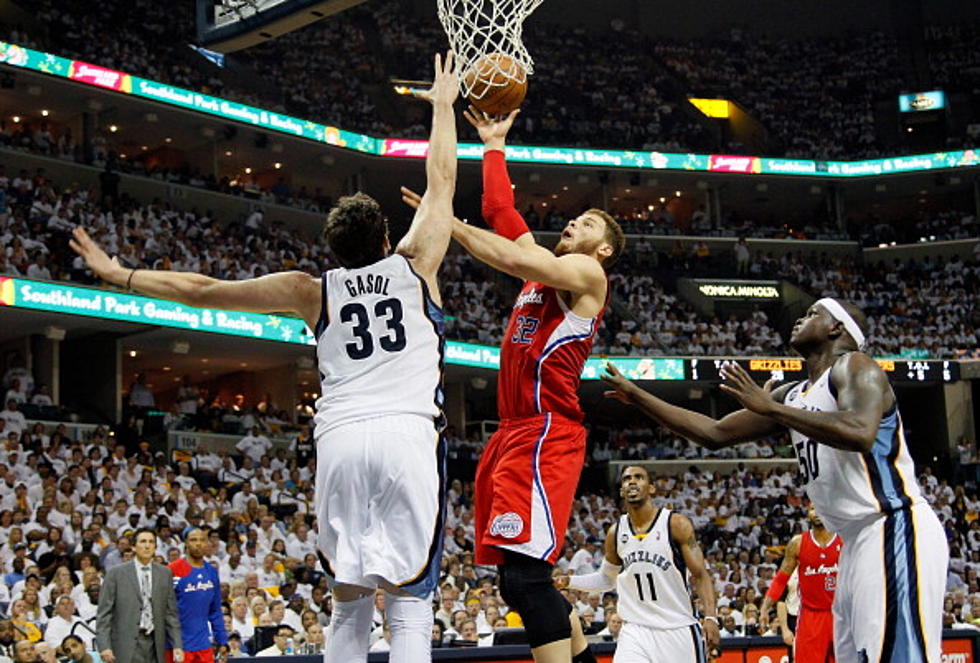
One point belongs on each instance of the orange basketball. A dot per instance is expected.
(493, 92)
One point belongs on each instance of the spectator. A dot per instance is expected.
(140, 395)
(282, 642)
(25, 652)
(62, 624)
(21, 621)
(254, 444)
(14, 419)
(74, 648)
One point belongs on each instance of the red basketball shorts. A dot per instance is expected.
(201, 656)
(525, 484)
(814, 641)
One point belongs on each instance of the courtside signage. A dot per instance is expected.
(114, 305)
(64, 298)
(89, 74)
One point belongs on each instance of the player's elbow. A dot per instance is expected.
(711, 439)
(492, 206)
(864, 440)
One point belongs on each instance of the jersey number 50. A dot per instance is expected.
(363, 346)
(806, 453)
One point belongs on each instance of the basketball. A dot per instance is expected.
(498, 84)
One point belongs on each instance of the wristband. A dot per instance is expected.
(711, 618)
(777, 586)
(129, 281)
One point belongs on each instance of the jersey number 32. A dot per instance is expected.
(388, 310)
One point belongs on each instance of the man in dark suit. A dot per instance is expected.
(138, 609)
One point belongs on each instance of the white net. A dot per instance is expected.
(478, 28)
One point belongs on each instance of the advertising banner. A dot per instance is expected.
(726, 163)
(740, 290)
(90, 74)
(116, 305)
(95, 75)
(113, 305)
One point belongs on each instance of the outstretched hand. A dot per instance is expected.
(622, 388)
(98, 261)
(493, 130)
(742, 387)
(445, 85)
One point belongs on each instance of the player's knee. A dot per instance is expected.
(407, 613)
(526, 586)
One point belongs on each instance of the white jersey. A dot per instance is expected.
(849, 488)
(652, 584)
(379, 345)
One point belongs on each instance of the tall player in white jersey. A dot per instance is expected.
(649, 553)
(848, 437)
(380, 483)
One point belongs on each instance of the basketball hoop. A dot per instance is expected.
(481, 28)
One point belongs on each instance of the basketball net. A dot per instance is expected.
(477, 28)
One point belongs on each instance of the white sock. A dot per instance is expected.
(350, 631)
(410, 621)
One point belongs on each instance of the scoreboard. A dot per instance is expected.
(790, 368)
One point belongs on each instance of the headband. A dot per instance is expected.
(838, 313)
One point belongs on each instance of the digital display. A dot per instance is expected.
(920, 102)
(124, 83)
(746, 290)
(786, 369)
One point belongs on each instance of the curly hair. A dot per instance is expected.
(356, 231)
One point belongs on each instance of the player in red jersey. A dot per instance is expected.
(815, 553)
(198, 590)
(527, 475)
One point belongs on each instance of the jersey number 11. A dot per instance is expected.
(639, 586)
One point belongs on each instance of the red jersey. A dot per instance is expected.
(818, 572)
(544, 350)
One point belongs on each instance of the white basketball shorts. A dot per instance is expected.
(380, 502)
(645, 644)
(889, 601)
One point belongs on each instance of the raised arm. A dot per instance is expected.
(740, 426)
(285, 292)
(498, 206)
(683, 534)
(778, 585)
(863, 395)
(428, 238)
